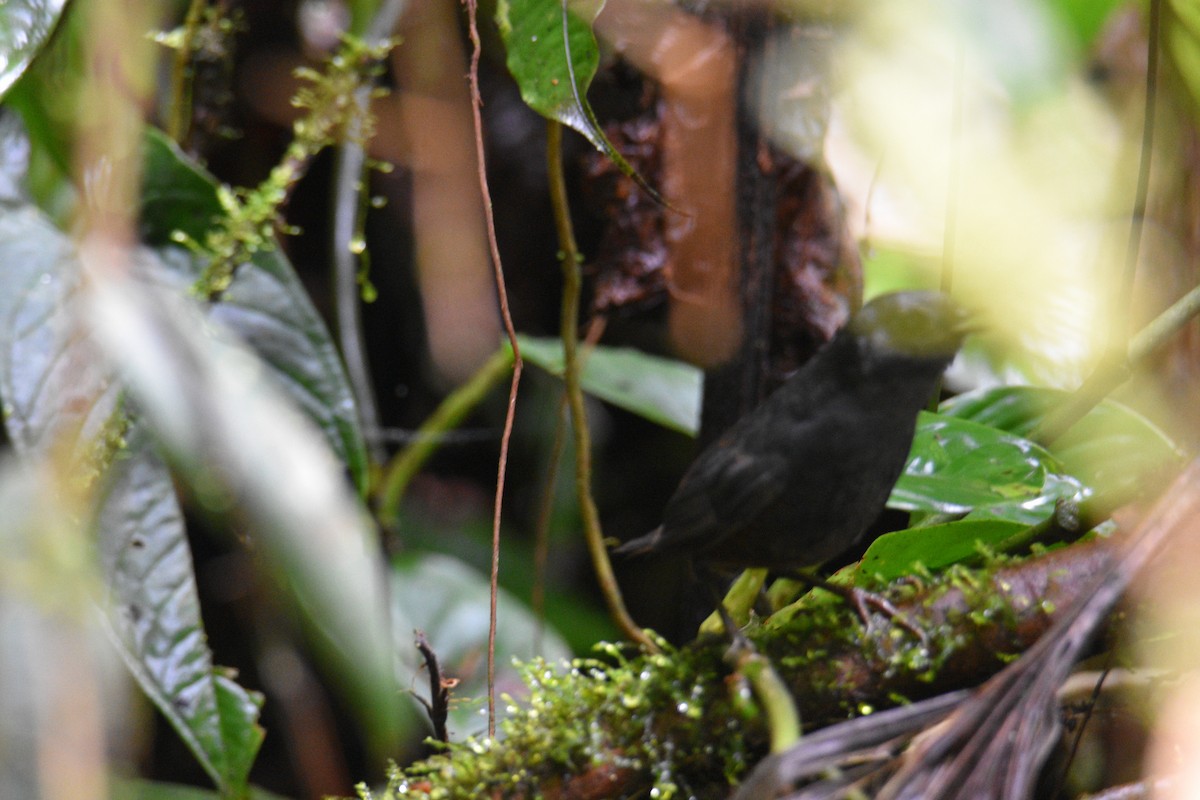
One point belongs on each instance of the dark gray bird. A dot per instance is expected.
(799, 480)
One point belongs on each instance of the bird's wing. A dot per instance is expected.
(722, 494)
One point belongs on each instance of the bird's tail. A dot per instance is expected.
(641, 545)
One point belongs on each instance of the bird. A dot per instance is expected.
(800, 479)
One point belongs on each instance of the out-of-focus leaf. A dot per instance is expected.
(55, 384)
(1182, 40)
(960, 467)
(51, 380)
(152, 790)
(266, 305)
(56, 668)
(552, 55)
(1084, 19)
(14, 158)
(224, 424)
(448, 600)
(156, 618)
(936, 546)
(1113, 449)
(25, 26)
(659, 389)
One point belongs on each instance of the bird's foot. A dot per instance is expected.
(861, 600)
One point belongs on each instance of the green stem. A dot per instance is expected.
(180, 119)
(783, 720)
(572, 282)
(446, 417)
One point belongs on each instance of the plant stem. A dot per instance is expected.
(446, 417)
(572, 281)
(180, 118)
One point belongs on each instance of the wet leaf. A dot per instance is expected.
(225, 426)
(1113, 449)
(552, 54)
(156, 618)
(58, 389)
(961, 467)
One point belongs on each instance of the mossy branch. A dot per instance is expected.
(674, 721)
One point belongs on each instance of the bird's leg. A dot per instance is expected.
(708, 579)
(860, 600)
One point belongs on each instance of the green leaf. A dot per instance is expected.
(660, 389)
(552, 55)
(960, 467)
(241, 445)
(25, 27)
(156, 618)
(936, 546)
(54, 382)
(266, 306)
(448, 600)
(1114, 450)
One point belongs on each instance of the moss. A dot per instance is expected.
(651, 714)
(251, 217)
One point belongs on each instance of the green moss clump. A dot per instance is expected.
(646, 715)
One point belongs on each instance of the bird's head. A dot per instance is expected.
(919, 324)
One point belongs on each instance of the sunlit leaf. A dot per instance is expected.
(25, 26)
(660, 389)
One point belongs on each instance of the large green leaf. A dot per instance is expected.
(25, 26)
(898, 553)
(57, 388)
(961, 467)
(660, 389)
(552, 55)
(242, 447)
(266, 305)
(1113, 449)
(156, 616)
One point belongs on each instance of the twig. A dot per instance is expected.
(439, 690)
(476, 103)
(583, 446)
